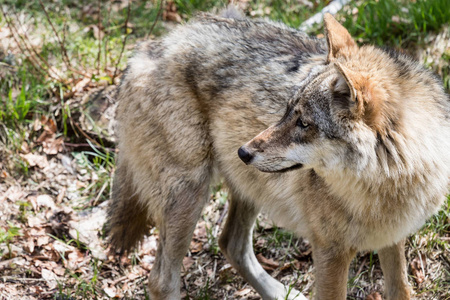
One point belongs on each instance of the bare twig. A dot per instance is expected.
(19, 279)
(35, 64)
(63, 48)
(361, 266)
(99, 35)
(105, 36)
(31, 49)
(7, 66)
(161, 5)
(94, 203)
(123, 43)
(89, 145)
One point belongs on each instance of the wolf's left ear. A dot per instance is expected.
(339, 40)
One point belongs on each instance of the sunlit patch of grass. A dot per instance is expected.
(394, 23)
(437, 230)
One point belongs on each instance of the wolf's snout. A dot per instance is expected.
(245, 155)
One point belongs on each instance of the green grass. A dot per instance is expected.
(436, 227)
(7, 236)
(394, 23)
(100, 162)
(291, 12)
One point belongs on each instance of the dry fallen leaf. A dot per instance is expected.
(45, 201)
(196, 247)
(74, 258)
(34, 221)
(35, 160)
(29, 245)
(242, 292)
(374, 296)
(14, 193)
(187, 263)
(50, 278)
(268, 264)
(170, 13)
(110, 291)
(43, 240)
(53, 146)
(418, 266)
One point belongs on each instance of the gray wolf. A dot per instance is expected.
(363, 132)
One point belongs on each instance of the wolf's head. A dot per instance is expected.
(345, 104)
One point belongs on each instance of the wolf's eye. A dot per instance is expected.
(302, 124)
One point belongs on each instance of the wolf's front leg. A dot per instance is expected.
(236, 245)
(393, 264)
(331, 265)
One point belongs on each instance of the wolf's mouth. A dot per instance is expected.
(294, 167)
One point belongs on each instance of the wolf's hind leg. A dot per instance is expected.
(176, 227)
(236, 244)
(393, 264)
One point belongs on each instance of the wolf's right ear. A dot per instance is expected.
(339, 40)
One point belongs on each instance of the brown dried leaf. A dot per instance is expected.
(187, 263)
(111, 292)
(35, 221)
(172, 16)
(50, 278)
(374, 296)
(59, 270)
(50, 126)
(29, 245)
(196, 247)
(37, 125)
(14, 193)
(268, 264)
(45, 201)
(418, 266)
(61, 195)
(242, 292)
(25, 148)
(53, 146)
(170, 13)
(81, 85)
(260, 243)
(35, 160)
(74, 258)
(43, 240)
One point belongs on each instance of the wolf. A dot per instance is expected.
(345, 145)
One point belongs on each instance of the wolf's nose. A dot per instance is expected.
(245, 155)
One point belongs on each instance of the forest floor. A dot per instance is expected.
(60, 63)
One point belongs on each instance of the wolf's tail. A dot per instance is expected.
(128, 218)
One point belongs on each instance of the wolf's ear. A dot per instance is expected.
(339, 40)
(351, 78)
(366, 96)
